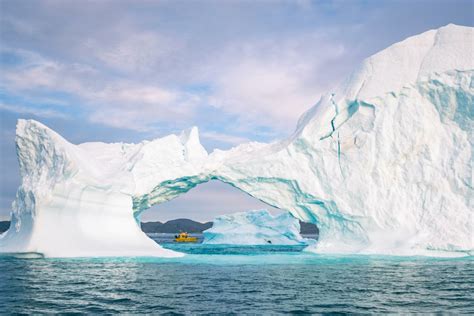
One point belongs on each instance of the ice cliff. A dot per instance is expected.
(257, 227)
(80, 200)
(382, 164)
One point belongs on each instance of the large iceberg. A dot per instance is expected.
(257, 227)
(382, 164)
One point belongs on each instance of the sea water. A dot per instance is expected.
(217, 279)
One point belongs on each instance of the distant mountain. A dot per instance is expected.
(190, 226)
(183, 224)
(176, 226)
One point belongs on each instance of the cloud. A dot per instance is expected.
(136, 73)
(273, 82)
(141, 109)
(264, 84)
(117, 102)
(41, 112)
(137, 52)
(224, 138)
(125, 104)
(38, 72)
(131, 66)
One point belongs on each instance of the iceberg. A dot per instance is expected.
(382, 164)
(257, 227)
(84, 200)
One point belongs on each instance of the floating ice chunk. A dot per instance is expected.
(257, 227)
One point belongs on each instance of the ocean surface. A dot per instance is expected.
(237, 280)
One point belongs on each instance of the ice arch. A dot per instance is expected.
(382, 165)
(205, 202)
(86, 199)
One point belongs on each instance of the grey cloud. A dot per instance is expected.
(171, 45)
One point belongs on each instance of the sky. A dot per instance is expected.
(239, 70)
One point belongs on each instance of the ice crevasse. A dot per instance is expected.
(382, 164)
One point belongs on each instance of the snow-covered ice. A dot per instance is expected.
(257, 227)
(382, 164)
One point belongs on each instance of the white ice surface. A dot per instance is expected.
(382, 164)
(257, 227)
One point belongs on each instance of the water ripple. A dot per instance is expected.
(269, 283)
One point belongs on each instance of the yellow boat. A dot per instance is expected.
(184, 237)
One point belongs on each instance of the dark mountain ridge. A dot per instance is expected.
(176, 226)
(185, 225)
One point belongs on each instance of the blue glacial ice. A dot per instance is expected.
(257, 227)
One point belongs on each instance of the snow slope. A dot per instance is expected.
(382, 164)
(257, 227)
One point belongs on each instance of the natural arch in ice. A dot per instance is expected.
(382, 165)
